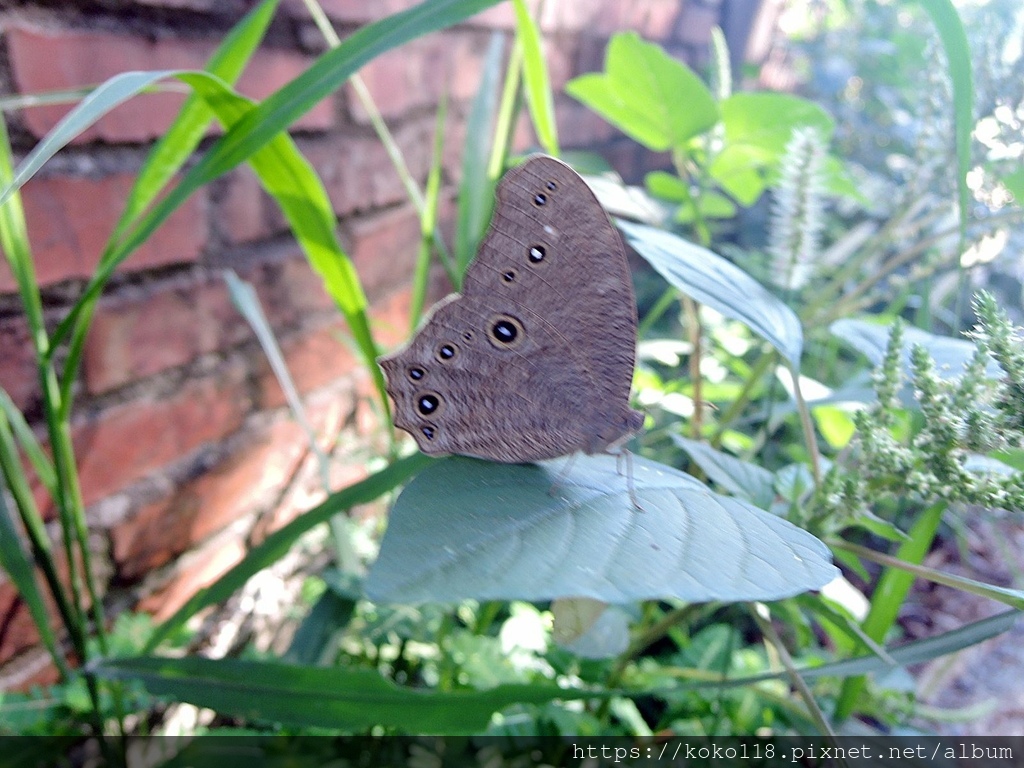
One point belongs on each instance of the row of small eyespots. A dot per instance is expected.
(504, 331)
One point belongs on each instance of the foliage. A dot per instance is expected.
(864, 468)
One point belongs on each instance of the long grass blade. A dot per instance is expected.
(476, 187)
(536, 82)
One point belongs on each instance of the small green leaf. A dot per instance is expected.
(835, 424)
(647, 94)
(466, 528)
(710, 279)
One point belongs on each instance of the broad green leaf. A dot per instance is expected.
(667, 186)
(757, 127)
(711, 280)
(751, 482)
(958, 56)
(466, 528)
(341, 699)
(711, 206)
(536, 84)
(743, 171)
(766, 120)
(648, 95)
(871, 339)
(277, 544)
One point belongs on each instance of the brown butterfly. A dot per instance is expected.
(534, 359)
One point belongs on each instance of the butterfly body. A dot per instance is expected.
(534, 359)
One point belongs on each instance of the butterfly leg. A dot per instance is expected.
(562, 475)
(623, 455)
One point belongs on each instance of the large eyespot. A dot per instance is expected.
(428, 403)
(428, 430)
(505, 331)
(446, 352)
(536, 254)
(416, 373)
(540, 199)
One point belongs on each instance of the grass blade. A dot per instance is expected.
(19, 568)
(536, 82)
(476, 187)
(341, 699)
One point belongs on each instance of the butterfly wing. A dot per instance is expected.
(542, 340)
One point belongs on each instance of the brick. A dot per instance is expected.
(413, 76)
(137, 334)
(696, 22)
(383, 248)
(320, 356)
(122, 444)
(243, 212)
(588, 128)
(198, 571)
(357, 172)
(654, 19)
(234, 489)
(18, 375)
(70, 218)
(314, 357)
(291, 292)
(44, 59)
(17, 630)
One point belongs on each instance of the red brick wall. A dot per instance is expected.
(179, 426)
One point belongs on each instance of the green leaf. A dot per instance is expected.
(466, 528)
(19, 567)
(189, 127)
(647, 94)
(888, 597)
(536, 84)
(667, 186)
(277, 544)
(1014, 183)
(958, 55)
(711, 280)
(341, 699)
(476, 186)
(766, 120)
(743, 171)
(757, 127)
(749, 481)
(835, 424)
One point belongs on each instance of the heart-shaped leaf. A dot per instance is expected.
(465, 528)
(711, 280)
(648, 95)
